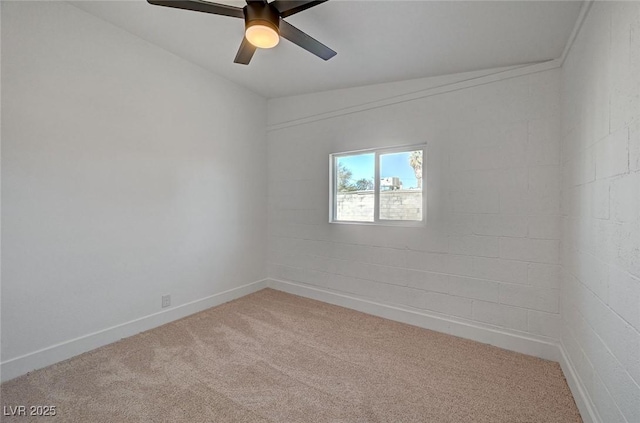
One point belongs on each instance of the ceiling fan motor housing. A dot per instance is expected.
(261, 14)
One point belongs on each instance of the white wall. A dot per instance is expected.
(127, 173)
(601, 209)
(489, 254)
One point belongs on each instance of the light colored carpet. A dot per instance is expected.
(275, 357)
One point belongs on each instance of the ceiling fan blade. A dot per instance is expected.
(257, 1)
(289, 7)
(298, 37)
(201, 6)
(245, 52)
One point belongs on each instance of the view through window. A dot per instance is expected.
(383, 185)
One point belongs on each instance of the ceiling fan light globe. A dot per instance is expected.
(262, 36)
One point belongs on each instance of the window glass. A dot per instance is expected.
(382, 185)
(354, 187)
(401, 186)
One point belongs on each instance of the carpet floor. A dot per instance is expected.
(275, 357)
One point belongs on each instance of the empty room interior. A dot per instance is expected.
(320, 211)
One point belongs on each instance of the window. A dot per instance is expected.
(383, 186)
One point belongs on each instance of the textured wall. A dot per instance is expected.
(490, 251)
(601, 209)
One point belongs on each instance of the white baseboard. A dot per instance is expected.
(525, 344)
(583, 401)
(515, 342)
(55, 353)
(510, 341)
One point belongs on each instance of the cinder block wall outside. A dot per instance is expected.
(394, 205)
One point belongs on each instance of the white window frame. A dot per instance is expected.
(376, 208)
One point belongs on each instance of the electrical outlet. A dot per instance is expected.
(166, 301)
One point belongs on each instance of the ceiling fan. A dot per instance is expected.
(263, 22)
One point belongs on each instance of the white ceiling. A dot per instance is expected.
(376, 41)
